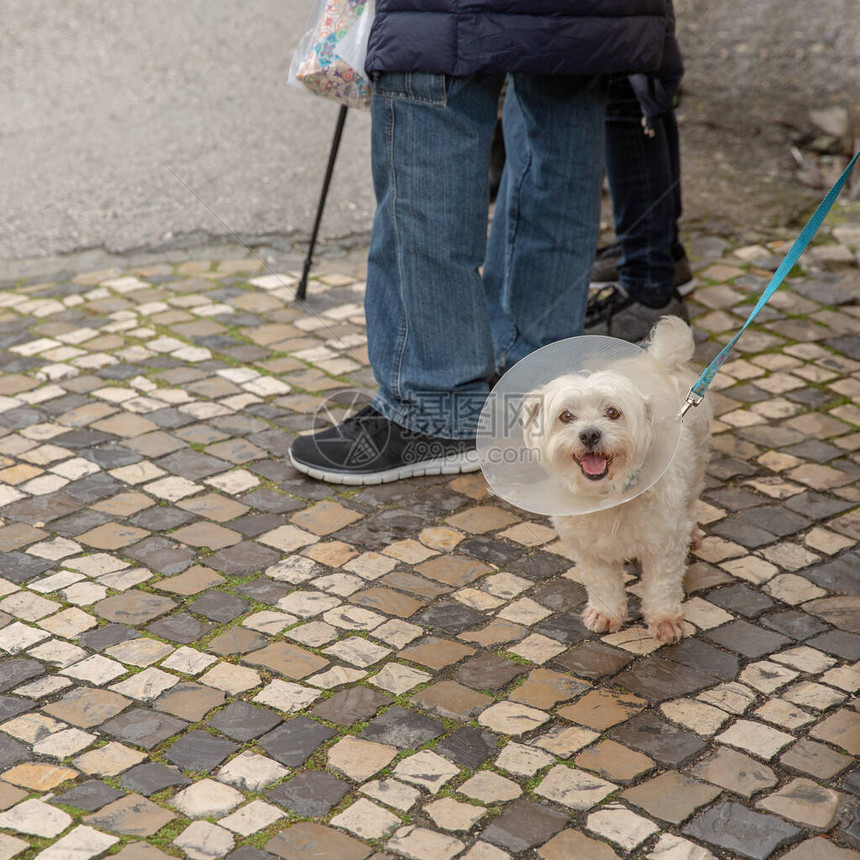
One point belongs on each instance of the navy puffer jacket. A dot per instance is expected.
(544, 37)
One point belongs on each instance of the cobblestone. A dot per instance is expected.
(131, 815)
(175, 600)
(524, 825)
(311, 793)
(750, 834)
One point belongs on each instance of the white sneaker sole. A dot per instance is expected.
(596, 286)
(686, 289)
(467, 461)
(683, 290)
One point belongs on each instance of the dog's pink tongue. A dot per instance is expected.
(593, 464)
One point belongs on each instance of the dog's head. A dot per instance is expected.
(592, 430)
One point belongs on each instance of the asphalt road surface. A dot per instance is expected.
(129, 126)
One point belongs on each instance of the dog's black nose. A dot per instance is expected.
(589, 437)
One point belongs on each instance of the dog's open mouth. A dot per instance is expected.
(594, 465)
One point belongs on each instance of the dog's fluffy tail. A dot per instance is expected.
(671, 343)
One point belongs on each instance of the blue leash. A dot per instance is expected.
(697, 392)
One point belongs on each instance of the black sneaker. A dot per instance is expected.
(367, 448)
(613, 312)
(605, 269)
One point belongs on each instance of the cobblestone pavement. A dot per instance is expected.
(206, 654)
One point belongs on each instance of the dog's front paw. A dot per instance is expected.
(600, 621)
(668, 630)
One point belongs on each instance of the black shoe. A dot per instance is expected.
(605, 269)
(613, 312)
(367, 448)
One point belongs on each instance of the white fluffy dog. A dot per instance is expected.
(594, 431)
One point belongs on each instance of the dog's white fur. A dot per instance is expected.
(657, 527)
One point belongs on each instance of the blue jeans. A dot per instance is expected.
(644, 178)
(437, 325)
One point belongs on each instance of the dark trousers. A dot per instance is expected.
(644, 178)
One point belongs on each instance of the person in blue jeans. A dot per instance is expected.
(447, 307)
(644, 173)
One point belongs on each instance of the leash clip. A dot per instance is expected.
(693, 399)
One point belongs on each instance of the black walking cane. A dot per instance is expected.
(302, 290)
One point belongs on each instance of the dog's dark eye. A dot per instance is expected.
(613, 414)
(567, 417)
